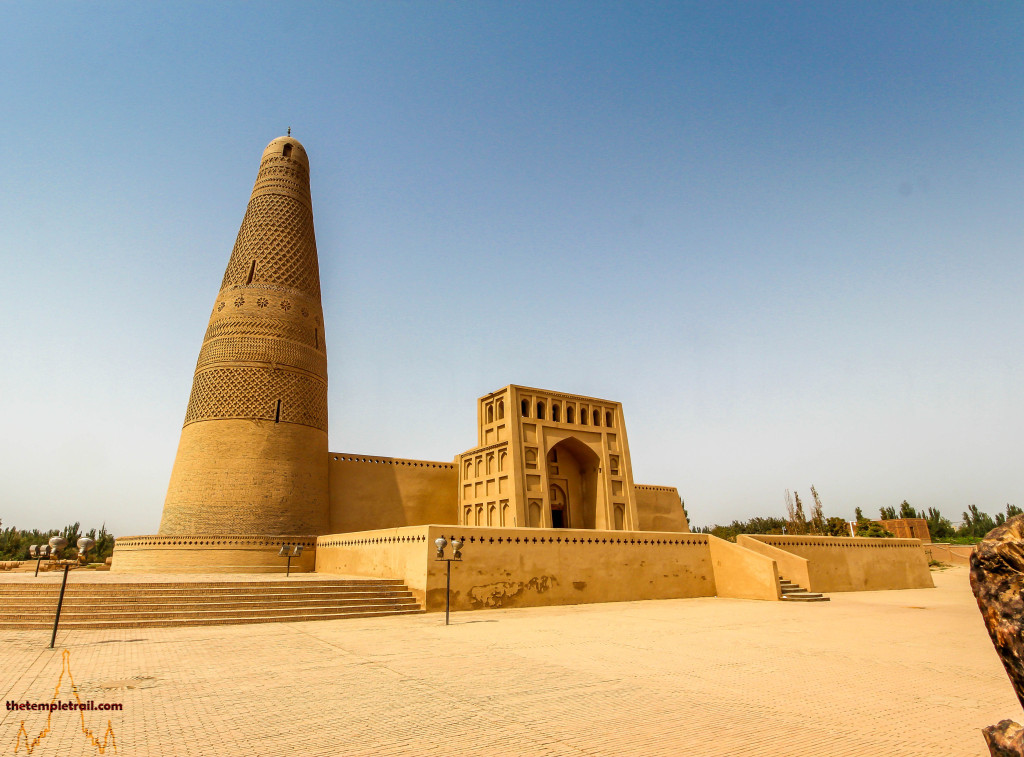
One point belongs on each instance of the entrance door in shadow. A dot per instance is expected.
(559, 507)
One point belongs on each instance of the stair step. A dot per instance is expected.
(163, 588)
(13, 610)
(98, 614)
(156, 604)
(193, 621)
(89, 600)
(806, 597)
(791, 592)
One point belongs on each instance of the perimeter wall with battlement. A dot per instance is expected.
(660, 508)
(210, 554)
(525, 567)
(834, 563)
(369, 492)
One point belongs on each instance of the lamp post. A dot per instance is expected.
(40, 552)
(289, 551)
(456, 555)
(57, 543)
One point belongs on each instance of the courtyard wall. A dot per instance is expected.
(660, 508)
(371, 492)
(837, 563)
(525, 567)
(210, 554)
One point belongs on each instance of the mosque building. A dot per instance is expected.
(253, 471)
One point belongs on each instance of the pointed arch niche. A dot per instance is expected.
(574, 491)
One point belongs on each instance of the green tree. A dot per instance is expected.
(14, 544)
(906, 511)
(104, 544)
(858, 515)
(939, 527)
(799, 519)
(887, 513)
(975, 523)
(817, 515)
(1011, 511)
(72, 533)
(836, 527)
(761, 526)
(737, 527)
(873, 530)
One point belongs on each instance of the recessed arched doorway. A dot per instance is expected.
(572, 479)
(559, 507)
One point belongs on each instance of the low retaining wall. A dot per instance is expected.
(524, 567)
(855, 564)
(954, 554)
(210, 554)
(793, 567)
(741, 573)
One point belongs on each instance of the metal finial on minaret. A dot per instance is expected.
(289, 131)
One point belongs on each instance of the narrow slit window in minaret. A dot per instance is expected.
(287, 151)
(277, 415)
(252, 272)
(316, 338)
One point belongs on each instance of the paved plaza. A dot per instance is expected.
(874, 673)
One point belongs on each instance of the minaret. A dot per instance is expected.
(252, 459)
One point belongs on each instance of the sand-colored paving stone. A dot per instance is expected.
(873, 673)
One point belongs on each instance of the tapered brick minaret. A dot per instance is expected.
(252, 460)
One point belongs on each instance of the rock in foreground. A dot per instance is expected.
(997, 579)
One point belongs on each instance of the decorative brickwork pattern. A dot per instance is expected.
(262, 327)
(254, 393)
(254, 349)
(277, 232)
(282, 176)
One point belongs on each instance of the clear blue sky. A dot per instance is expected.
(787, 236)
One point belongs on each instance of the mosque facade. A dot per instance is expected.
(253, 463)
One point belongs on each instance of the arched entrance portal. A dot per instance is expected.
(572, 491)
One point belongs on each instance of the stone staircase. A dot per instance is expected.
(152, 605)
(793, 593)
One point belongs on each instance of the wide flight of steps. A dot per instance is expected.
(151, 605)
(793, 593)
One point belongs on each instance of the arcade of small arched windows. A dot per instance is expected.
(495, 513)
(485, 487)
(555, 411)
(493, 428)
(494, 411)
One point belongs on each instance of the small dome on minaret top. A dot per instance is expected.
(288, 147)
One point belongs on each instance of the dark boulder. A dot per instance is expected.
(997, 579)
